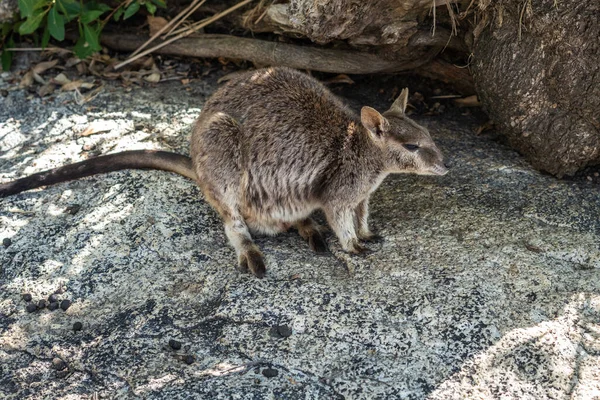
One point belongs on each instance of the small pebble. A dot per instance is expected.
(174, 344)
(58, 364)
(31, 307)
(280, 331)
(4, 93)
(77, 326)
(62, 374)
(53, 298)
(188, 359)
(26, 297)
(42, 304)
(53, 306)
(73, 209)
(284, 331)
(65, 304)
(6, 242)
(270, 372)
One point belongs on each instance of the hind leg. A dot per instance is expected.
(216, 158)
(312, 232)
(249, 256)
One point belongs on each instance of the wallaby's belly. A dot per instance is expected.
(273, 206)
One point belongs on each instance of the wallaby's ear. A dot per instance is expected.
(373, 121)
(399, 106)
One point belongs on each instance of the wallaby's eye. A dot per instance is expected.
(410, 147)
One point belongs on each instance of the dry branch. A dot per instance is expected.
(263, 52)
(174, 23)
(188, 32)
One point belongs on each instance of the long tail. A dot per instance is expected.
(136, 159)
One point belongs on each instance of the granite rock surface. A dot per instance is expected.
(486, 284)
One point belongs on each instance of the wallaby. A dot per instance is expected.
(271, 147)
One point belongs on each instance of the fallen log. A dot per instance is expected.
(262, 52)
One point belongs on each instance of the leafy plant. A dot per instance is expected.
(51, 16)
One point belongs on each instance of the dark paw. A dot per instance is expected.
(252, 261)
(317, 243)
(256, 263)
(243, 265)
(360, 249)
(372, 238)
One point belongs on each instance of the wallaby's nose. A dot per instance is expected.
(440, 169)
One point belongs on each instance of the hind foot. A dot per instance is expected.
(253, 261)
(370, 237)
(317, 243)
(313, 234)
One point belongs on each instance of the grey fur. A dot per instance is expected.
(274, 145)
(271, 147)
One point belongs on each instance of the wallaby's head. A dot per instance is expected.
(408, 147)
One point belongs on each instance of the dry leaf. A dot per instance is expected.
(72, 85)
(72, 62)
(87, 85)
(44, 66)
(341, 78)
(47, 89)
(26, 80)
(148, 63)
(61, 79)
(98, 127)
(112, 75)
(484, 127)
(185, 81)
(38, 78)
(153, 77)
(471, 101)
(82, 69)
(156, 24)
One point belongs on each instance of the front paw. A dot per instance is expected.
(357, 248)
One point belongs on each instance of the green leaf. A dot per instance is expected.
(91, 16)
(92, 36)
(160, 3)
(7, 56)
(46, 37)
(32, 23)
(151, 8)
(70, 8)
(56, 24)
(81, 49)
(132, 9)
(6, 28)
(118, 14)
(104, 7)
(26, 7)
(88, 43)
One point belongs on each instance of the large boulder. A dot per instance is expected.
(537, 72)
